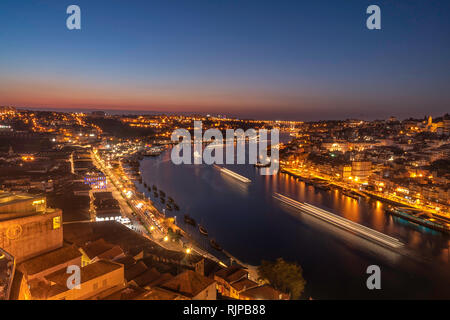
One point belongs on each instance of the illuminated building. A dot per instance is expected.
(27, 227)
(96, 180)
(98, 279)
(361, 171)
(7, 266)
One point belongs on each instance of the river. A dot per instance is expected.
(249, 223)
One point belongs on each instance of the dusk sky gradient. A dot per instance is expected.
(301, 60)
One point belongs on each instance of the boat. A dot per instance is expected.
(153, 151)
(422, 218)
(202, 230)
(215, 245)
(350, 194)
(232, 174)
(261, 165)
(322, 186)
(340, 222)
(189, 220)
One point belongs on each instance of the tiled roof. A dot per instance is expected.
(88, 272)
(49, 260)
(161, 294)
(136, 270)
(188, 283)
(232, 273)
(264, 292)
(147, 277)
(162, 279)
(56, 282)
(112, 253)
(244, 284)
(127, 261)
(95, 248)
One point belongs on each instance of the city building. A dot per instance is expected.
(361, 171)
(28, 227)
(192, 285)
(264, 292)
(226, 277)
(97, 280)
(7, 268)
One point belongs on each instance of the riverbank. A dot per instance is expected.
(187, 242)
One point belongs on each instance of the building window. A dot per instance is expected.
(96, 286)
(104, 283)
(56, 222)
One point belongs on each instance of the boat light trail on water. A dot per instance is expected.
(341, 222)
(233, 174)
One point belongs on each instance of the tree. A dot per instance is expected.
(283, 276)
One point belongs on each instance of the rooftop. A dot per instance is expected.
(49, 260)
(97, 247)
(188, 283)
(232, 273)
(89, 272)
(265, 292)
(244, 284)
(56, 282)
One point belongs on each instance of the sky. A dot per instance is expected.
(277, 59)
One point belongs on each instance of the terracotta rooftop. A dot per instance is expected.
(161, 294)
(127, 261)
(56, 282)
(147, 277)
(129, 293)
(188, 283)
(244, 284)
(97, 247)
(112, 253)
(162, 279)
(232, 273)
(89, 272)
(49, 260)
(135, 270)
(264, 292)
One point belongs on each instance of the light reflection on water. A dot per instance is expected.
(246, 221)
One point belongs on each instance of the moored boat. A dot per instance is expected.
(215, 245)
(322, 186)
(261, 165)
(418, 217)
(202, 230)
(189, 220)
(350, 194)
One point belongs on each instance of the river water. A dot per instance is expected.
(249, 223)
